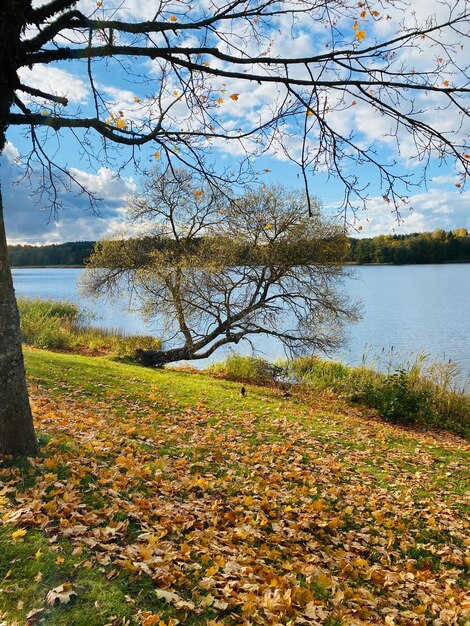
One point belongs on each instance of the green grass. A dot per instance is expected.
(56, 325)
(418, 394)
(124, 386)
(241, 368)
(93, 413)
(131, 384)
(29, 570)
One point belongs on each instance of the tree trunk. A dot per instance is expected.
(16, 423)
(158, 358)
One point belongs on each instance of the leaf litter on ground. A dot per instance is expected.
(299, 511)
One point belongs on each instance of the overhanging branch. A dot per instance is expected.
(48, 10)
(42, 94)
(170, 54)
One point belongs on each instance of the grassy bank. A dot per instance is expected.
(420, 394)
(61, 326)
(415, 395)
(165, 497)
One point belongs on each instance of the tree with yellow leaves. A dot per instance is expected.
(214, 269)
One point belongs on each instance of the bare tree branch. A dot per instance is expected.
(215, 271)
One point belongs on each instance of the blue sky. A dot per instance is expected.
(436, 204)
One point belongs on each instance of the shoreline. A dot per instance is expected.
(345, 264)
(43, 267)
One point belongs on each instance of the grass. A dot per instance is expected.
(32, 566)
(255, 510)
(416, 394)
(246, 369)
(61, 326)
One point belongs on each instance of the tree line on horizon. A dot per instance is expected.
(438, 246)
(68, 254)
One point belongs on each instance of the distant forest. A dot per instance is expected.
(72, 253)
(438, 246)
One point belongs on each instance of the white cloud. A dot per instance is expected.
(11, 153)
(105, 183)
(426, 211)
(445, 179)
(55, 81)
(28, 222)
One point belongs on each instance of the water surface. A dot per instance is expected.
(407, 310)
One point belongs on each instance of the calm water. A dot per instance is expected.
(407, 309)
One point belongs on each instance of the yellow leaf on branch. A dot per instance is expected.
(120, 123)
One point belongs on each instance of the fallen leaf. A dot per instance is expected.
(175, 599)
(18, 534)
(63, 594)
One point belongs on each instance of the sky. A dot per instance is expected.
(441, 202)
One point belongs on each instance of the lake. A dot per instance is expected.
(407, 310)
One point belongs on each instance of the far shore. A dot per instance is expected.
(43, 267)
(346, 264)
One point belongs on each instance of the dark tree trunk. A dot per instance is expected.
(158, 358)
(16, 423)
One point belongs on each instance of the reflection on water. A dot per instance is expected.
(408, 310)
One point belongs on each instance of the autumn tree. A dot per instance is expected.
(251, 76)
(213, 271)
